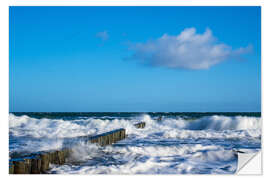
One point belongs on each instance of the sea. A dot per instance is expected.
(170, 143)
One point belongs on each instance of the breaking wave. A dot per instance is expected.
(190, 159)
(59, 128)
(167, 146)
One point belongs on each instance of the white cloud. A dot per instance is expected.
(188, 50)
(103, 35)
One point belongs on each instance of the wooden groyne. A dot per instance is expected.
(140, 125)
(38, 163)
(109, 137)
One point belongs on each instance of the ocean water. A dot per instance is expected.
(180, 143)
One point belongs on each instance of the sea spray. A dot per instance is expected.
(173, 145)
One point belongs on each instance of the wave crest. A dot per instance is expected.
(58, 128)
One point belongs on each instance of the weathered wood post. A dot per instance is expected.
(45, 161)
(11, 168)
(36, 165)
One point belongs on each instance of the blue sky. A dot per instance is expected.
(142, 59)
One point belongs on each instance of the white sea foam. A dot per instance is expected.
(142, 151)
(58, 128)
(158, 160)
(225, 123)
(213, 126)
(43, 145)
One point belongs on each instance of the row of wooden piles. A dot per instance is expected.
(39, 163)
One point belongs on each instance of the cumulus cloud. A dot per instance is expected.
(188, 50)
(103, 35)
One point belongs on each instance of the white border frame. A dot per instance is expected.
(265, 58)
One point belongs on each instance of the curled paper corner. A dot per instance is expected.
(249, 163)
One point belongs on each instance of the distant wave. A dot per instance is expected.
(58, 128)
(219, 123)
